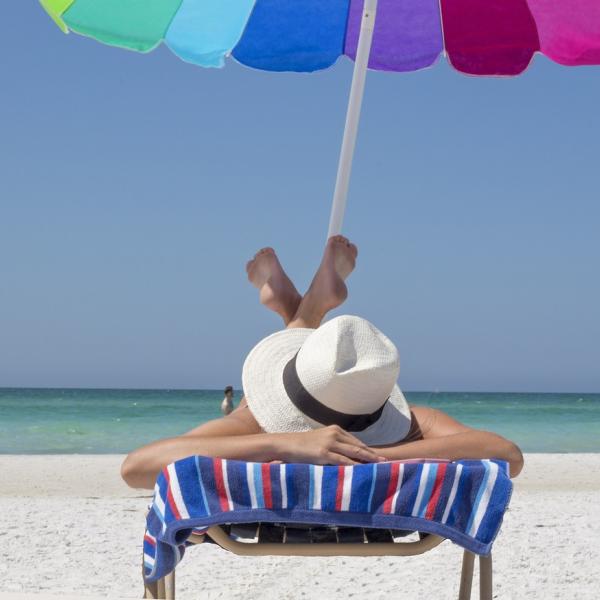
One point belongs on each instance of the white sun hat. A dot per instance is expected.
(342, 373)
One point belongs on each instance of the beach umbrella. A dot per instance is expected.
(478, 37)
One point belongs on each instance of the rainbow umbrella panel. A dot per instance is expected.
(478, 37)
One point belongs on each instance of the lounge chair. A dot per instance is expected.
(254, 509)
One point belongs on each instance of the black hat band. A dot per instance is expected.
(311, 407)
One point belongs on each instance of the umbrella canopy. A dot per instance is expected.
(480, 37)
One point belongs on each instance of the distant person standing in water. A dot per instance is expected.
(227, 404)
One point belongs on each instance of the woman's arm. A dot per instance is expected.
(142, 466)
(470, 444)
(238, 437)
(444, 437)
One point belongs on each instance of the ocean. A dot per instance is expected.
(78, 421)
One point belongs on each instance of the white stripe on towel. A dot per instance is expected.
(347, 487)
(318, 485)
(226, 483)
(176, 492)
(485, 499)
(149, 560)
(398, 486)
(251, 488)
(422, 486)
(283, 482)
(457, 475)
(159, 503)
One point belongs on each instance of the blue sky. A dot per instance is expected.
(133, 189)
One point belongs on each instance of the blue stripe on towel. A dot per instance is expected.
(188, 486)
(275, 484)
(372, 490)
(236, 473)
(329, 488)
(302, 486)
(204, 503)
(467, 493)
(362, 484)
(381, 486)
(411, 487)
(208, 476)
(258, 485)
(289, 482)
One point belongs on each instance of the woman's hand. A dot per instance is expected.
(325, 446)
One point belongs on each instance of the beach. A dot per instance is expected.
(70, 527)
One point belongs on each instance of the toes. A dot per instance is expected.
(340, 239)
(264, 251)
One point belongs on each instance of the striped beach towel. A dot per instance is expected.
(463, 501)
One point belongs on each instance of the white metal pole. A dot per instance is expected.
(352, 117)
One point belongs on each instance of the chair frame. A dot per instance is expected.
(164, 589)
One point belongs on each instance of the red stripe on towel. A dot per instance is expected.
(437, 490)
(339, 491)
(387, 505)
(267, 489)
(218, 463)
(148, 539)
(170, 498)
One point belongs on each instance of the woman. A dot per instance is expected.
(305, 389)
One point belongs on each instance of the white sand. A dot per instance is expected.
(70, 527)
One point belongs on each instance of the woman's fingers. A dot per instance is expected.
(348, 438)
(345, 436)
(333, 458)
(358, 453)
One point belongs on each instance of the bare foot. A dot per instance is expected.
(328, 290)
(277, 292)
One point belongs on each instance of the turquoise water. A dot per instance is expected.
(52, 421)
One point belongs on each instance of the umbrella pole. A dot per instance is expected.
(352, 117)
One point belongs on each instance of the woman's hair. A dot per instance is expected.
(228, 389)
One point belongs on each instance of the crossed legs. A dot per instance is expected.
(326, 292)
(433, 435)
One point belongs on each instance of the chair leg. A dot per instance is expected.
(170, 586)
(160, 585)
(485, 577)
(466, 576)
(165, 588)
(150, 589)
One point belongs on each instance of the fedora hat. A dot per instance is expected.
(342, 373)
